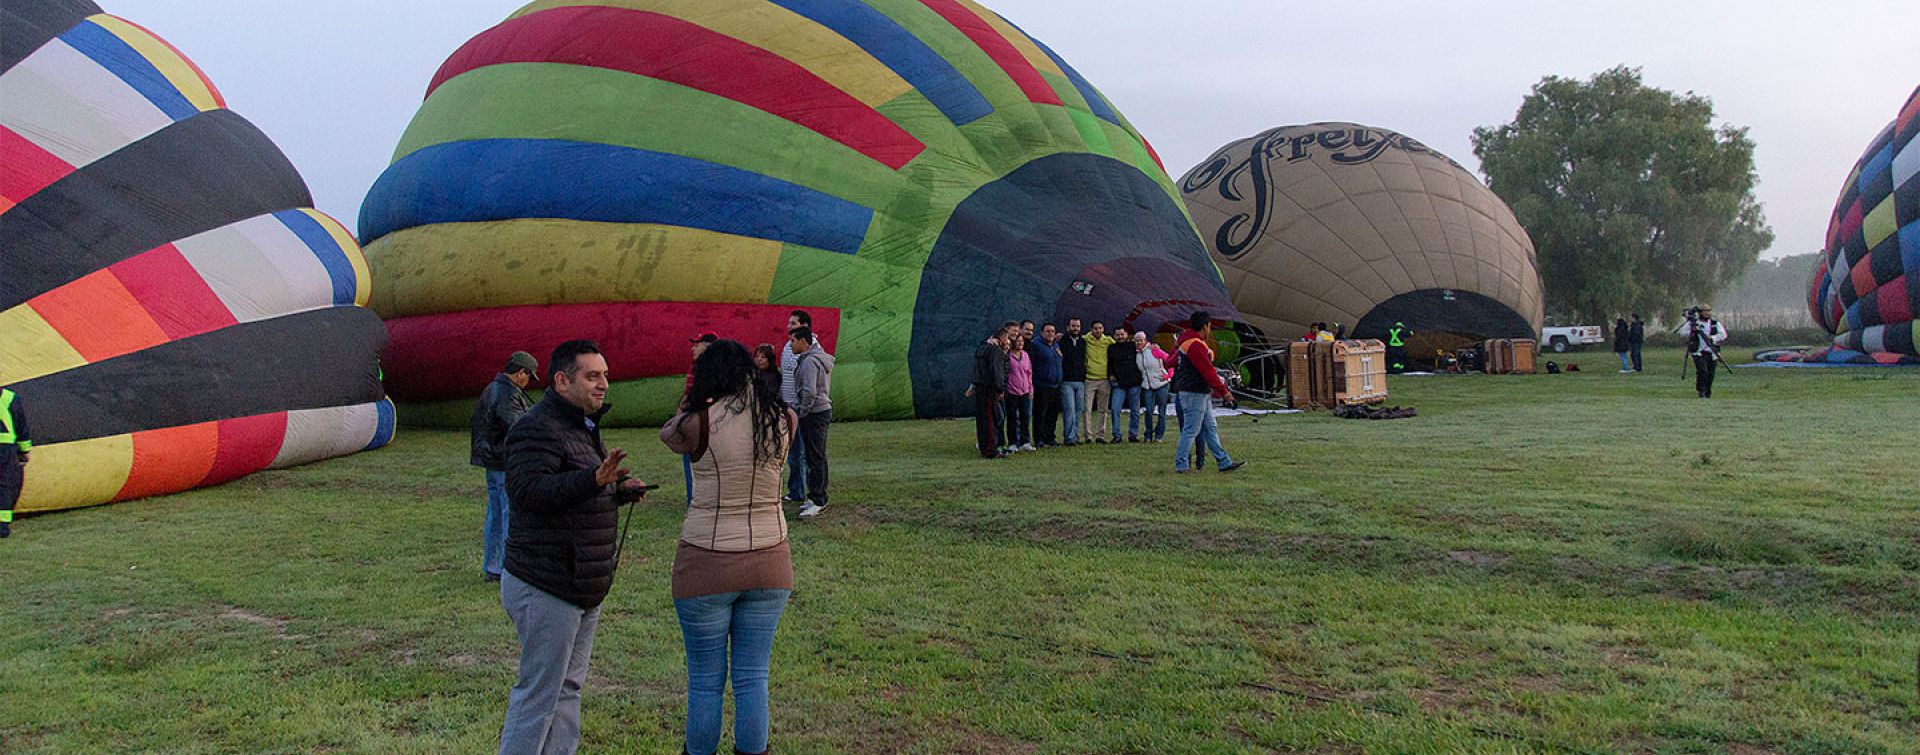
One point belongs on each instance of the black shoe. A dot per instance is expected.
(1233, 466)
(490, 577)
(1131, 439)
(1072, 443)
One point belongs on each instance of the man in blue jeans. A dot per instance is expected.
(1196, 384)
(797, 451)
(1073, 381)
(501, 404)
(1123, 372)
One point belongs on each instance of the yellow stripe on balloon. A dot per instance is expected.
(782, 32)
(1028, 49)
(78, 473)
(540, 261)
(177, 70)
(30, 347)
(362, 276)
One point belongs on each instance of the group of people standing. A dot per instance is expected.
(1042, 388)
(1628, 340)
(554, 494)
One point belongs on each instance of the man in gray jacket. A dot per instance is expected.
(501, 404)
(812, 384)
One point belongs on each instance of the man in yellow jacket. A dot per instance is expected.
(14, 447)
(1099, 388)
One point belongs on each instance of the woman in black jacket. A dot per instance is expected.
(1621, 344)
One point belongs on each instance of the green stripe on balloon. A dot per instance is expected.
(549, 101)
(1091, 133)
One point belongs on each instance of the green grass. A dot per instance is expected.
(1576, 563)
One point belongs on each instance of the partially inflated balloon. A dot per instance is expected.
(912, 172)
(1867, 286)
(173, 313)
(1339, 222)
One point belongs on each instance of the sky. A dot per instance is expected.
(334, 83)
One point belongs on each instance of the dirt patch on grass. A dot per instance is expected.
(274, 624)
(1481, 559)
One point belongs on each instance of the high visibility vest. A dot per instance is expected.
(7, 437)
(1393, 337)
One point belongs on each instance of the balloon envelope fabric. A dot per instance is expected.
(911, 172)
(173, 313)
(1340, 222)
(1867, 285)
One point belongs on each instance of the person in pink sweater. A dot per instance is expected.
(1019, 396)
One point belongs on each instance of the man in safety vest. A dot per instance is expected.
(1397, 347)
(14, 446)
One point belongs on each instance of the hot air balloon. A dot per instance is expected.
(172, 310)
(1340, 222)
(1867, 285)
(911, 172)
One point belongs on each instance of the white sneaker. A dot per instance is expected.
(811, 510)
(1028, 447)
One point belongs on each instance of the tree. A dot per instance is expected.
(1634, 200)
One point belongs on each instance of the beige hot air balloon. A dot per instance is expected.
(1344, 223)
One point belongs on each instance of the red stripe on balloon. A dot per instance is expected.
(25, 168)
(998, 48)
(669, 49)
(455, 355)
(247, 445)
(173, 293)
(1152, 153)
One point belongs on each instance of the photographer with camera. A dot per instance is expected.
(1703, 336)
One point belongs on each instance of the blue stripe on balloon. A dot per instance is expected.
(1101, 108)
(901, 51)
(507, 179)
(325, 249)
(383, 430)
(120, 59)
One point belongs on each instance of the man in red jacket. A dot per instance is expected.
(1195, 385)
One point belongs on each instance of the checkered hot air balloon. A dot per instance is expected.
(173, 312)
(910, 171)
(1866, 287)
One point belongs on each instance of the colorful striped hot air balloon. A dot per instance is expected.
(1866, 288)
(172, 311)
(910, 171)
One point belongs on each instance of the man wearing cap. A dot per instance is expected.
(501, 404)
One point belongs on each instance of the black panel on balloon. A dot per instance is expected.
(208, 171)
(1439, 310)
(310, 360)
(25, 25)
(1045, 241)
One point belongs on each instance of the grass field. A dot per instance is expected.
(1577, 563)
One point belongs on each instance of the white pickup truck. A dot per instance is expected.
(1559, 340)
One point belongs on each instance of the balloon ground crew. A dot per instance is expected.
(14, 446)
(1397, 347)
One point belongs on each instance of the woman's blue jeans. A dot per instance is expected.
(1154, 415)
(729, 630)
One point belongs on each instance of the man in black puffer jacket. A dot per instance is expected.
(565, 492)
